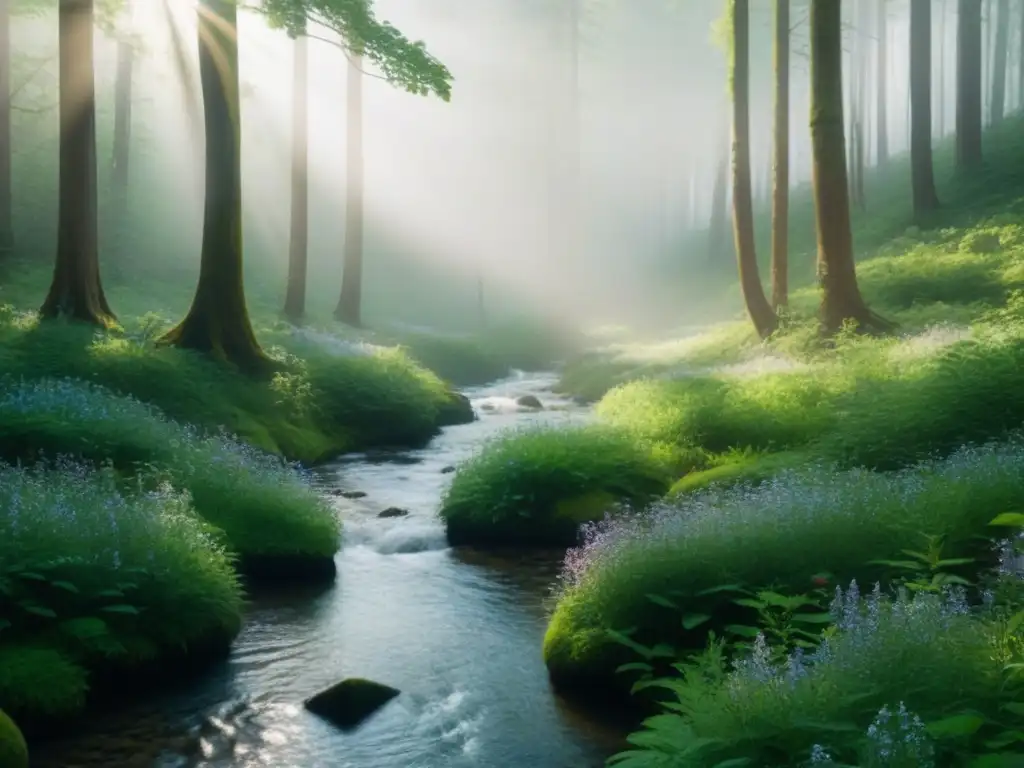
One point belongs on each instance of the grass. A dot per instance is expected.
(778, 535)
(900, 682)
(262, 506)
(536, 486)
(97, 577)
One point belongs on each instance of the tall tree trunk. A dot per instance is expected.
(6, 201)
(760, 311)
(882, 82)
(1020, 62)
(942, 70)
(217, 323)
(841, 300)
(999, 61)
(76, 291)
(298, 246)
(718, 226)
(925, 198)
(860, 63)
(968, 84)
(349, 309)
(780, 155)
(122, 143)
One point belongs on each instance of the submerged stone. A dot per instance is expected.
(394, 512)
(447, 470)
(13, 750)
(350, 702)
(352, 494)
(529, 401)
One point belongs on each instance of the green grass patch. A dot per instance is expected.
(736, 468)
(778, 535)
(536, 486)
(262, 505)
(93, 576)
(328, 396)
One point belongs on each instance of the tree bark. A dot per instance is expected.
(999, 61)
(298, 250)
(76, 291)
(6, 198)
(968, 84)
(349, 309)
(760, 311)
(218, 321)
(780, 163)
(923, 176)
(840, 300)
(882, 83)
(122, 142)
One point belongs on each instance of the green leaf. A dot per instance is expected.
(635, 666)
(813, 618)
(908, 565)
(995, 761)
(39, 610)
(1005, 739)
(121, 608)
(955, 726)
(663, 651)
(742, 630)
(735, 762)
(954, 561)
(1012, 519)
(664, 602)
(1014, 707)
(746, 602)
(1015, 621)
(30, 576)
(110, 593)
(694, 620)
(721, 588)
(67, 586)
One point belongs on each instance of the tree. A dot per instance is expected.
(298, 246)
(76, 291)
(6, 202)
(998, 101)
(968, 84)
(841, 300)
(760, 311)
(122, 131)
(882, 82)
(1020, 62)
(942, 70)
(718, 225)
(925, 198)
(780, 165)
(349, 309)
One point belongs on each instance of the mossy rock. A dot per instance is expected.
(350, 702)
(13, 750)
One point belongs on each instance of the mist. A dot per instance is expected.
(478, 190)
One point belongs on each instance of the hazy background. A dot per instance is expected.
(460, 188)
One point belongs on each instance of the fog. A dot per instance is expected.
(481, 186)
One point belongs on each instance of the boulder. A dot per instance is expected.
(455, 410)
(393, 512)
(350, 702)
(529, 401)
(13, 750)
(447, 470)
(352, 494)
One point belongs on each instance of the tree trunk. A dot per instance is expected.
(1020, 63)
(925, 198)
(942, 70)
(841, 300)
(859, 95)
(218, 321)
(718, 227)
(999, 61)
(76, 291)
(760, 311)
(968, 84)
(298, 250)
(780, 167)
(6, 201)
(349, 309)
(882, 83)
(122, 143)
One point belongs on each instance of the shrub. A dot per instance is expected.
(779, 535)
(536, 486)
(92, 575)
(463, 361)
(927, 653)
(263, 505)
(13, 750)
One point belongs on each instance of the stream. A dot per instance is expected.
(458, 632)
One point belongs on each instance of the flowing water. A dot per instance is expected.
(458, 632)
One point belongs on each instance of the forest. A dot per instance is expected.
(559, 383)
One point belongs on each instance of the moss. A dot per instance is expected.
(13, 750)
(40, 682)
